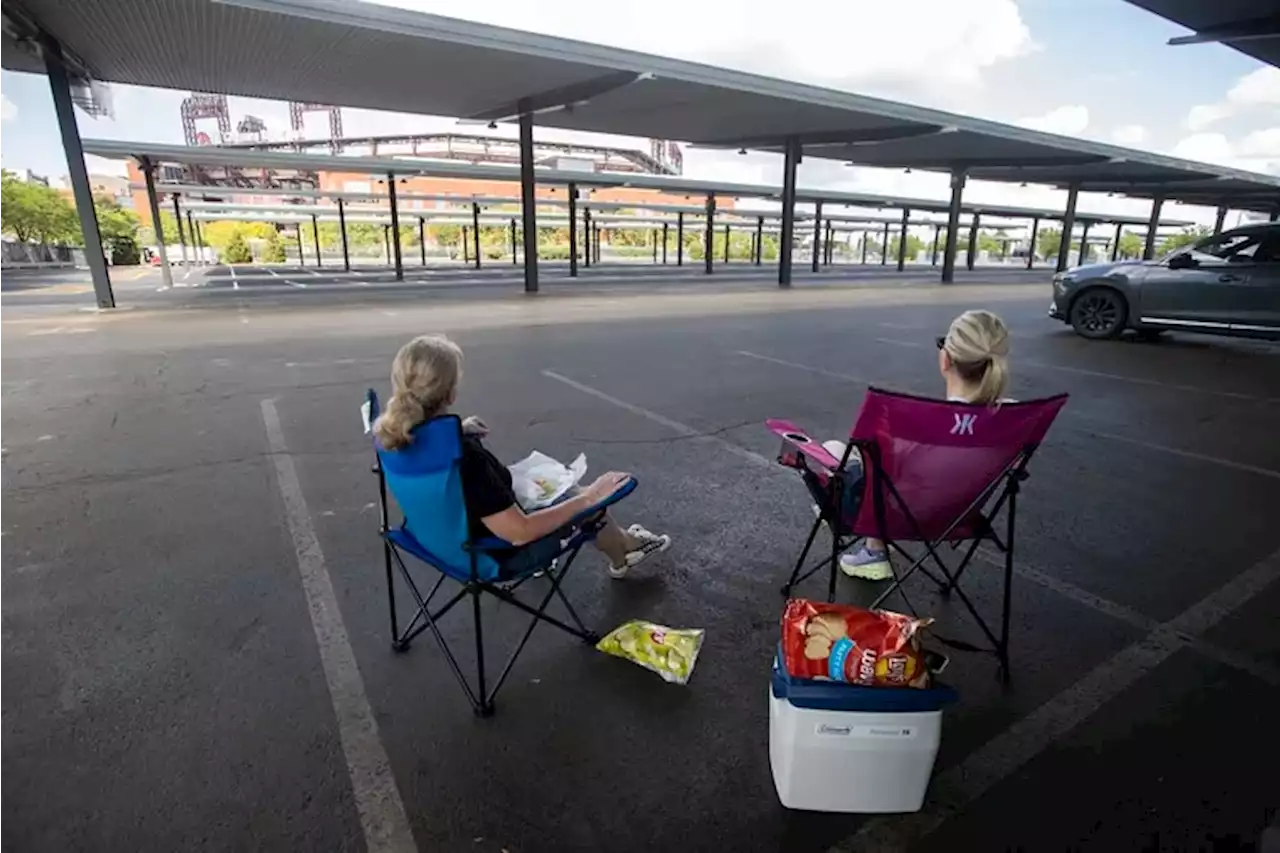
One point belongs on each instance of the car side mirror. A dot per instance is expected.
(1182, 261)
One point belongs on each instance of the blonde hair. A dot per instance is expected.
(424, 377)
(978, 345)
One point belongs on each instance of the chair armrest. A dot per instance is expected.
(493, 543)
(794, 436)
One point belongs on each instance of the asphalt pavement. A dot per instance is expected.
(183, 481)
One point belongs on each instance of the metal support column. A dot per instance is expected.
(198, 254)
(864, 247)
(395, 226)
(817, 235)
(386, 242)
(759, 238)
(475, 233)
(664, 244)
(1031, 244)
(1084, 244)
(708, 235)
(680, 238)
(1115, 242)
(653, 235)
(971, 254)
(297, 232)
(1068, 225)
(588, 247)
(958, 178)
(200, 238)
(902, 241)
(828, 244)
(937, 232)
(94, 255)
(422, 240)
(466, 245)
(1219, 219)
(182, 240)
(884, 245)
(726, 244)
(315, 237)
(528, 201)
(1149, 250)
(514, 252)
(342, 231)
(791, 159)
(573, 230)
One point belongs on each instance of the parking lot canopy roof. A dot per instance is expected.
(348, 53)
(1250, 26)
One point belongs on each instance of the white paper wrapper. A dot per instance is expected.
(539, 481)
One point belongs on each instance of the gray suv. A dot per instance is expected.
(1227, 284)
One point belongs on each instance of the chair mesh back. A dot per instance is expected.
(940, 457)
(426, 481)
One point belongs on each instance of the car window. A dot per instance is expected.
(1268, 251)
(1229, 248)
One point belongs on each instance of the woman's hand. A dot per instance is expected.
(471, 425)
(604, 486)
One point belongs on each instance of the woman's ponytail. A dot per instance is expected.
(424, 381)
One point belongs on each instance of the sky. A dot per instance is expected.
(1095, 69)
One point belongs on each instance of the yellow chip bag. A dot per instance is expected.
(670, 652)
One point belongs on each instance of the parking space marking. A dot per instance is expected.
(381, 809)
(235, 284)
(1087, 430)
(674, 426)
(1098, 374)
(960, 785)
(275, 274)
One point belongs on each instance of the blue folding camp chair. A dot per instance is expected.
(426, 481)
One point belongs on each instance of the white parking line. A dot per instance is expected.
(275, 274)
(235, 284)
(378, 802)
(1116, 377)
(957, 787)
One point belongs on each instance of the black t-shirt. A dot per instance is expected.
(486, 485)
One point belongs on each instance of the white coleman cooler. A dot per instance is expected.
(837, 747)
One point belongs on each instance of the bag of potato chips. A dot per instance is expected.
(840, 642)
(670, 652)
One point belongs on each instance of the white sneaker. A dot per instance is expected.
(650, 543)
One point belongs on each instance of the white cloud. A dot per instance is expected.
(1257, 89)
(851, 45)
(1259, 151)
(1202, 115)
(1069, 120)
(1129, 134)
(8, 109)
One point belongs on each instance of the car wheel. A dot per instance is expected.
(1099, 313)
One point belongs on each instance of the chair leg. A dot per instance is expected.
(1003, 650)
(391, 595)
(485, 707)
(835, 562)
(795, 573)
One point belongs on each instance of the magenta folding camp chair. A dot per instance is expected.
(933, 472)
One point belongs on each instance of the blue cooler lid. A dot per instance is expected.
(838, 696)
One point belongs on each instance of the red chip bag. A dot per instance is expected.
(840, 642)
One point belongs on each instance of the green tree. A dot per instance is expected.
(273, 249)
(914, 246)
(1047, 242)
(1185, 237)
(1131, 246)
(237, 250)
(32, 211)
(119, 230)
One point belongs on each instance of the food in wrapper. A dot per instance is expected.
(670, 652)
(840, 642)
